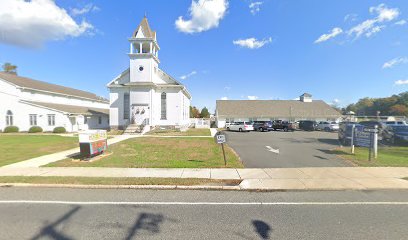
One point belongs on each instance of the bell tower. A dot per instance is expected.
(144, 53)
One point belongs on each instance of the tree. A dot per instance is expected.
(399, 109)
(194, 112)
(9, 68)
(205, 113)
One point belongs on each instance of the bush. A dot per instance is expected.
(11, 129)
(35, 129)
(59, 130)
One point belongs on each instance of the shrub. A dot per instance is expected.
(59, 130)
(11, 129)
(35, 129)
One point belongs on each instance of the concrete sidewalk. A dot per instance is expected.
(253, 179)
(44, 160)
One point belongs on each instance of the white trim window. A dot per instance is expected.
(163, 106)
(33, 119)
(51, 119)
(9, 118)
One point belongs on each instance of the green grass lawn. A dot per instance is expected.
(118, 181)
(189, 132)
(16, 148)
(162, 153)
(387, 156)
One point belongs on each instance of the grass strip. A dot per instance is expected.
(118, 181)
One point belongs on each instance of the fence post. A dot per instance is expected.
(375, 143)
(353, 127)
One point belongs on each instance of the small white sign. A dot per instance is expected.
(220, 139)
(92, 136)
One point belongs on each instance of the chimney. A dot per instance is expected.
(306, 97)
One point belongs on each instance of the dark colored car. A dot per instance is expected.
(283, 125)
(308, 125)
(396, 134)
(262, 126)
(344, 132)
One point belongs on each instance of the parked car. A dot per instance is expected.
(241, 126)
(262, 126)
(396, 134)
(391, 123)
(308, 125)
(283, 125)
(328, 126)
(372, 124)
(344, 133)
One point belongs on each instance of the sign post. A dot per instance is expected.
(221, 140)
(353, 127)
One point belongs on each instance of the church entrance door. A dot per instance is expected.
(140, 114)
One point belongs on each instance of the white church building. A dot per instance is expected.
(25, 103)
(143, 94)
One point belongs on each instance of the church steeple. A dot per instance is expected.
(143, 41)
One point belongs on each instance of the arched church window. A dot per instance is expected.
(163, 106)
(9, 118)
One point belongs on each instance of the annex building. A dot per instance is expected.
(144, 95)
(264, 110)
(26, 102)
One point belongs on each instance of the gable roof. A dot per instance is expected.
(29, 83)
(71, 109)
(275, 108)
(147, 31)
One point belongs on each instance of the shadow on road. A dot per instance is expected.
(329, 141)
(148, 222)
(262, 228)
(49, 231)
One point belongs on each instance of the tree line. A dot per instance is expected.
(196, 113)
(396, 105)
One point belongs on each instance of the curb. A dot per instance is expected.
(152, 187)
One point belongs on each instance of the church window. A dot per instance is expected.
(163, 106)
(33, 119)
(9, 118)
(126, 106)
(51, 119)
(141, 68)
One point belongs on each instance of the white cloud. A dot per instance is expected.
(391, 63)
(224, 98)
(252, 97)
(205, 15)
(401, 22)
(255, 7)
(374, 25)
(86, 9)
(336, 100)
(32, 23)
(184, 77)
(252, 43)
(334, 32)
(352, 17)
(401, 82)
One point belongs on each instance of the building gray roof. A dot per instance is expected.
(29, 83)
(275, 109)
(71, 109)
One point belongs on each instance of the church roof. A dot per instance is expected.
(147, 31)
(24, 82)
(71, 109)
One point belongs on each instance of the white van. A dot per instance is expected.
(241, 126)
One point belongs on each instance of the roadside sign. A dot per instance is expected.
(362, 138)
(220, 139)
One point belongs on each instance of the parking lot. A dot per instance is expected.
(278, 149)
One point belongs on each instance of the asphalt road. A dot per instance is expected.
(278, 149)
(42, 213)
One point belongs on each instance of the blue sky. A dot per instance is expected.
(338, 50)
